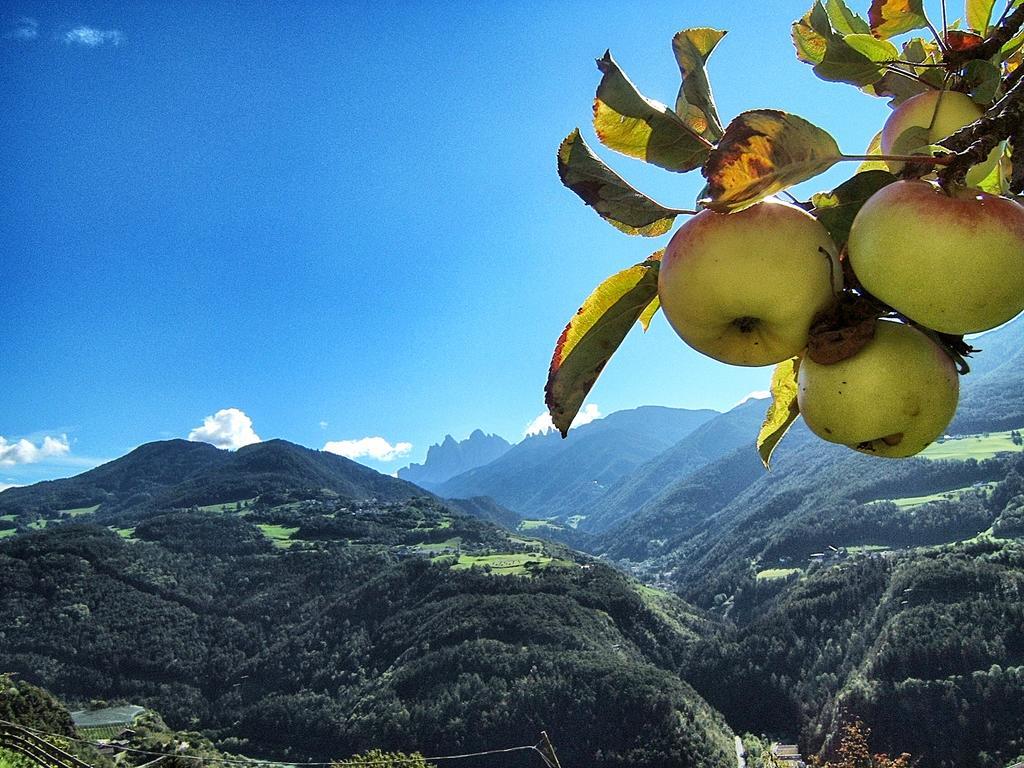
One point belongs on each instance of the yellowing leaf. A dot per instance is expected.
(634, 125)
(593, 335)
(609, 194)
(763, 152)
(648, 314)
(889, 18)
(783, 409)
(695, 104)
(874, 148)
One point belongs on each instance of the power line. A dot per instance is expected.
(251, 761)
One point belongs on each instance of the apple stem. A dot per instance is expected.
(944, 160)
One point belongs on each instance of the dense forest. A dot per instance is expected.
(345, 641)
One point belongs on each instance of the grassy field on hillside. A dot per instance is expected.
(229, 506)
(771, 574)
(539, 525)
(279, 534)
(971, 447)
(955, 493)
(78, 511)
(508, 563)
(5, 532)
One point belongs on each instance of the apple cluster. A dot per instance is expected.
(745, 288)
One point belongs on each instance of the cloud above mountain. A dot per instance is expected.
(228, 428)
(376, 448)
(26, 452)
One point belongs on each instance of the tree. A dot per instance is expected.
(966, 82)
(376, 758)
(853, 752)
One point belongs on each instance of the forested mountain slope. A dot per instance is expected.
(546, 476)
(303, 624)
(711, 441)
(178, 473)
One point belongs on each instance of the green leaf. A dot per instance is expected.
(811, 35)
(783, 409)
(878, 51)
(695, 104)
(763, 152)
(983, 79)
(845, 21)
(593, 335)
(606, 192)
(979, 13)
(896, 87)
(836, 209)
(889, 18)
(634, 125)
(913, 141)
(844, 64)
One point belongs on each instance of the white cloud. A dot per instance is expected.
(323, 425)
(91, 37)
(5, 486)
(757, 394)
(23, 28)
(228, 428)
(373, 447)
(543, 423)
(26, 452)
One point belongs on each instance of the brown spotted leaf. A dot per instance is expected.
(593, 335)
(695, 104)
(811, 35)
(609, 194)
(634, 125)
(763, 152)
(889, 18)
(783, 409)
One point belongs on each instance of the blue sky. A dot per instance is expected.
(341, 219)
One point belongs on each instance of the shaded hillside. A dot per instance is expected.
(451, 458)
(712, 440)
(926, 647)
(545, 476)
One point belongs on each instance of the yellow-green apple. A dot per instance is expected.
(951, 262)
(941, 113)
(892, 398)
(743, 287)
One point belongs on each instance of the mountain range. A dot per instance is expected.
(451, 457)
(769, 602)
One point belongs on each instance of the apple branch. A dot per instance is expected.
(973, 143)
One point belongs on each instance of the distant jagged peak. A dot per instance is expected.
(453, 457)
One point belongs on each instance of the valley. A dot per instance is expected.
(653, 608)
